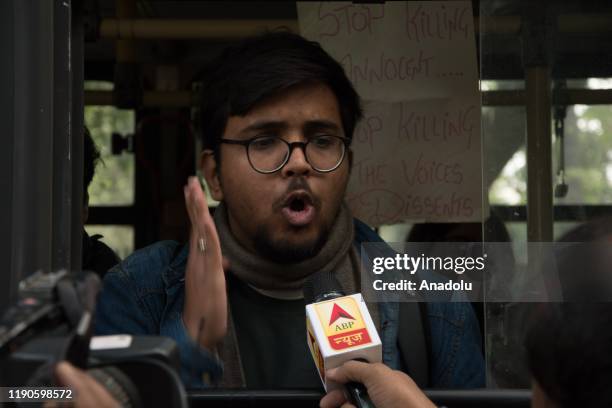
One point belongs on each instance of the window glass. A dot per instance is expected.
(120, 238)
(113, 182)
(588, 155)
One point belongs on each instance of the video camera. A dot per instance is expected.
(52, 321)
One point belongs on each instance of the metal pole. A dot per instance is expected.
(77, 125)
(489, 98)
(61, 239)
(536, 57)
(123, 28)
(161, 99)
(497, 24)
(584, 23)
(8, 277)
(539, 155)
(29, 140)
(503, 98)
(127, 91)
(566, 97)
(183, 29)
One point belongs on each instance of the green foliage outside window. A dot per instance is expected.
(113, 182)
(588, 157)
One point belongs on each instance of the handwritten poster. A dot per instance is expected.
(417, 151)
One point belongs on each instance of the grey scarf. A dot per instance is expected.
(268, 275)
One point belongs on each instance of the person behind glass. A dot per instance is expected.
(568, 344)
(568, 348)
(584, 262)
(493, 229)
(96, 255)
(278, 115)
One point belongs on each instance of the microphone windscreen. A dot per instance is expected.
(320, 284)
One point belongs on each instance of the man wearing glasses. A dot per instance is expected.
(278, 115)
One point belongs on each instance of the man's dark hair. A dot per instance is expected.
(91, 157)
(568, 351)
(258, 67)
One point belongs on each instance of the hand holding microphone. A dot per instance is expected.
(339, 329)
(386, 388)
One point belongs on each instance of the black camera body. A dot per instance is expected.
(52, 321)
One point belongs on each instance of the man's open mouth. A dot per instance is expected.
(298, 209)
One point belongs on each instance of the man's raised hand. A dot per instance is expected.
(205, 308)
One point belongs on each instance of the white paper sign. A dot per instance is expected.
(417, 153)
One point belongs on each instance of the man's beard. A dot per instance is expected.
(283, 252)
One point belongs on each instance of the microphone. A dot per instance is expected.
(339, 328)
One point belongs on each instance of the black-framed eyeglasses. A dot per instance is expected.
(268, 154)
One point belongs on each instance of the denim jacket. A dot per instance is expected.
(144, 295)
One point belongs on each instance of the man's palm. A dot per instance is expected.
(205, 308)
